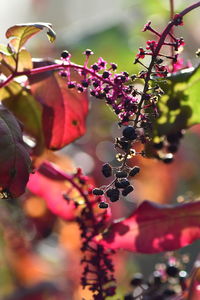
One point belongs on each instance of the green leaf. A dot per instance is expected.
(179, 107)
(26, 109)
(5, 50)
(8, 63)
(21, 33)
(24, 61)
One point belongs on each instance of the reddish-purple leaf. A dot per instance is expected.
(155, 228)
(50, 184)
(64, 110)
(14, 158)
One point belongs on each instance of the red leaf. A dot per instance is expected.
(49, 183)
(155, 228)
(14, 158)
(64, 110)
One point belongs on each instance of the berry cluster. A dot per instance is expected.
(120, 184)
(135, 109)
(97, 263)
(167, 283)
(98, 266)
(104, 83)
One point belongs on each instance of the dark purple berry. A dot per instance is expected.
(65, 54)
(121, 174)
(97, 192)
(84, 83)
(117, 111)
(107, 170)
(123, 78)
(126, 74)
(127, 190)
(114, 198)
(93, 93)
(106, 89)
(113, 66)
(129, 133)
(105, 74)
(122, 183)
(88, 52)
(96, 84)
(80, 89)
(172, 271)
(113, 194)
(103, 205)
(134, 171)
(71, 85)
(95, 67)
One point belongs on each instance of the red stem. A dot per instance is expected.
(171, 24)
(161, 42)
(53, 67)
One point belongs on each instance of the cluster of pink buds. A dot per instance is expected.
(153, 49)
(104, 83)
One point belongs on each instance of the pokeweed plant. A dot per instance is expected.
(44, 106)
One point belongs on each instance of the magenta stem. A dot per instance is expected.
(160, 43)
(54, 67)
